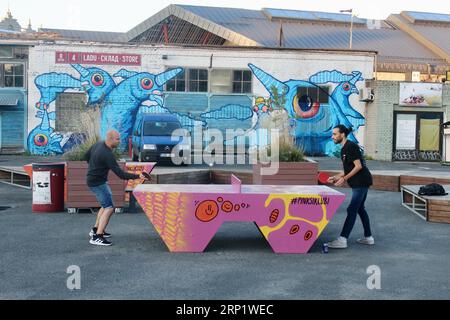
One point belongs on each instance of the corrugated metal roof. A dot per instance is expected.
(311, 15)
(391, 43)
(82, 35)
(431, 33)
(439, 35)
(245, 27)
(195, 19)
(427, 16)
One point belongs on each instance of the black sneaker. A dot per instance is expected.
(93, 231)
(99, 241)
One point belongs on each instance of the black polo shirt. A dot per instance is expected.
(349, 153)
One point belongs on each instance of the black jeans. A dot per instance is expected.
(359, 196)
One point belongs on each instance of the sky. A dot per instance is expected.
(121, 16)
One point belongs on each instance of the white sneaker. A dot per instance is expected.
(339, 243)
(370, 241)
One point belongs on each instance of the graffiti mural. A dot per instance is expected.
(314, 121)
(414, 155)
(124, 96)
(122, 102)
(119, 102)
(43, 140)
(96, 82)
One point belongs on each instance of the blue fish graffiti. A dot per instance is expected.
(315, 121)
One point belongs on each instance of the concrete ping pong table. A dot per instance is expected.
(291, 218)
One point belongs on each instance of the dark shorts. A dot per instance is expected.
(104, 195)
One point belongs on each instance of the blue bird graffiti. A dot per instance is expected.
(122, 103)
(96, 82)
(341, 94)
(52, 84)
(315, 121)
(43, 140)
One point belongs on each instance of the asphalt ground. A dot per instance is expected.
(36, 250)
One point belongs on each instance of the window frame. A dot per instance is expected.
(242, 81)
(176, 82)
(3, 75)
(187, 81)
(319, 89)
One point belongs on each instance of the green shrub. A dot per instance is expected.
(288, 153)
(78, 153)
(291, 153)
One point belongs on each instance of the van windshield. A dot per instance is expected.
(160, 128)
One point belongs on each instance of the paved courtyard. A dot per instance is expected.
(37, 249)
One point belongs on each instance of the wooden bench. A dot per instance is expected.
(429, 208)
(15, 176)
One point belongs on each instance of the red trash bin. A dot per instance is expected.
(48, 187)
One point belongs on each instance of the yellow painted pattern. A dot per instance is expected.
(287, 199)
(167, 212)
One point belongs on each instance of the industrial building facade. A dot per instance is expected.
(214, 88)
(221, 68)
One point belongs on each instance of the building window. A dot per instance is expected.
(315, 94)
(177, 84)
(12, 75)
(20, 53)
(242, 81)
(196, 80)
(6, 52)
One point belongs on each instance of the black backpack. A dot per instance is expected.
(432, 189)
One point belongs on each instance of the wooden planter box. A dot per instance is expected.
(78, 194)
(289, 173)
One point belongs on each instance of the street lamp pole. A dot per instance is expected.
(351, 26)
(351, 32)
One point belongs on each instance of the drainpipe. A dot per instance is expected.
(376, 67)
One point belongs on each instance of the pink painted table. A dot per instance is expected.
(187, 217)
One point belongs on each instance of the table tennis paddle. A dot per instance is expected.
(323, 178)
(146, 175)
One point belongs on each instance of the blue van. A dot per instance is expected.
(152, 139)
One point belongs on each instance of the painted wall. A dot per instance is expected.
(125, 92)
(12, 120)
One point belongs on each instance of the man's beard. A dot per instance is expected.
(338, 141)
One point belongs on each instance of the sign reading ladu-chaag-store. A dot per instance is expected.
(64, 57)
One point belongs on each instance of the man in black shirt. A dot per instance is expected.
(359, 178)
(101, 159)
